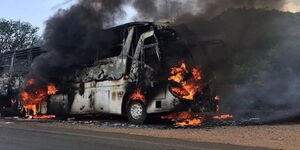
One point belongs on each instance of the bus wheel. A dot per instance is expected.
(136, 111)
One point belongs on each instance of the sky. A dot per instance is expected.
(37, 12)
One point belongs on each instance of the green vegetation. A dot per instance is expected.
(16, 35)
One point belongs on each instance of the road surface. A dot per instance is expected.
(15, 136)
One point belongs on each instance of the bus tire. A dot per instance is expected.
(136, 111)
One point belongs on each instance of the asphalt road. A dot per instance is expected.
(14, 136)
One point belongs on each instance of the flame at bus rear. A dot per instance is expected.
(34, 96)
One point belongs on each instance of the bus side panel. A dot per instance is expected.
(83, 104)
(102, 100)
(109, 97)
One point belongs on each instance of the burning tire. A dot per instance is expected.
(136, 112)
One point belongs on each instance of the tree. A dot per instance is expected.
(16, 35)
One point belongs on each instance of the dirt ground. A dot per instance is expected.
(270, 136)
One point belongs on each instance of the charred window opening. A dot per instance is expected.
(115, 50)
(150, 54)
(139, 30)
(19, 61)
(151, 58)
(150, 40)
(109, 43)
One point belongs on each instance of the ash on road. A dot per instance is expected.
(37, 136)
(19, 134)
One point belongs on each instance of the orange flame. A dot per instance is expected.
(190, 122)
(188, 87)
(32, 98)
(190, 119)
(191, 89)
(30, 82)
(51, 89)
(44, 116)
(35, 96)
(185, 119)
(197, 74)
(178, 73)
(137, 95)
(32, 108)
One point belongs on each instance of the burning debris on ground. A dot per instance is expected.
(154, 122)
(190, 119)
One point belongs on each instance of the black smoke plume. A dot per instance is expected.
(74, 35)
(256, 73)
(172, 9)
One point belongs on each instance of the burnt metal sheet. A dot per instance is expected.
(100, 97)
(109, 68)
(59, 104)
(168, 103)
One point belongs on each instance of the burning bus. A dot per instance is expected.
(14, 67)
(141, 75)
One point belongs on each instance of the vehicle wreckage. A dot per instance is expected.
(140, 77)
(14, 67)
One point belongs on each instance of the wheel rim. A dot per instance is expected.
(136, 111)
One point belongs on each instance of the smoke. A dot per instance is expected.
(74, 35)
(256, 73)
(153, 10)
(172, 9)
(216, 7)
(259, 65)
(256, 70)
